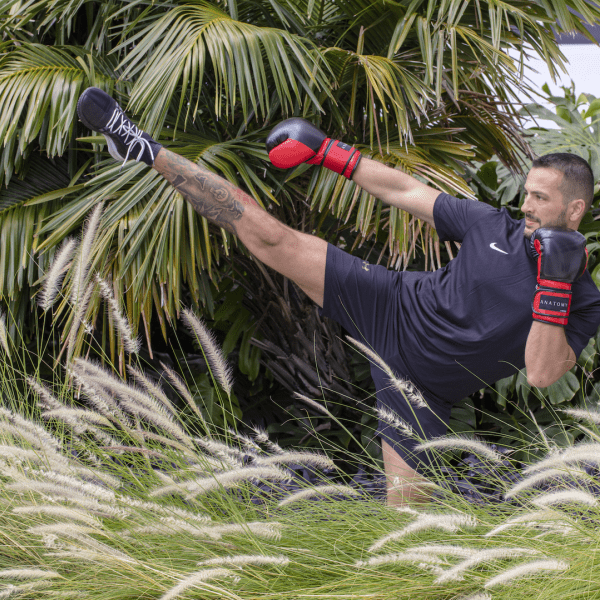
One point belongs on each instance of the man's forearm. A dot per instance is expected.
(396, 188)
(548, 355)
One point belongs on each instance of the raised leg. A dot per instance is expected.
(298, 256)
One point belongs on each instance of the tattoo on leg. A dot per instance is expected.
(211, 196)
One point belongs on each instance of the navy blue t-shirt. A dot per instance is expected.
(466, 325)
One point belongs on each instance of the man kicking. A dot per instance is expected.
(516, 295)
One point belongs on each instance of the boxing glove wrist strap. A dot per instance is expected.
(337, 156)
(552, 302)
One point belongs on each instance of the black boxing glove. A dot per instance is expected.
(562, 258)
(296, 140)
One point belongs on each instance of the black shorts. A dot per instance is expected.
(364, 299)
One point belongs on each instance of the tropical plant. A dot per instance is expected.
(421, 85)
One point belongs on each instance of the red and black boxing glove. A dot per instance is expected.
(296, 140)
(562, 258)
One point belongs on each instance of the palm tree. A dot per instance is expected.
(424, 86)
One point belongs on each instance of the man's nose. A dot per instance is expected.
(525, 205)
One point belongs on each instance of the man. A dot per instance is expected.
(450, 331)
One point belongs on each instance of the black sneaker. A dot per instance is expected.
(98, 111)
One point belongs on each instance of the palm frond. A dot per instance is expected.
(247, 64)
(20, 224)
(39, 89)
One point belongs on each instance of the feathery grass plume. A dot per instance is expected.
(153, 389)
(19, 590)
(158, 418)
(137, 402)
(30, 431)
(53, 277)
(83, 256)
(447, 522)
(543, 477)
(82, 487)
(230, 455)
(528, 518)
(387, 416)
(456, 572)
(300, 458)
(479, 596)
(78, 319)
(102, 403)
(442, 549)
(269, 530)
(193, 581)
(245, 559)
(46, 398)
(26, 573)
(535, 567)
(262, 437)
(169, 511)
(373, 356)
(319, 491)
(80, 533)
(584, 452)
(78, 418)
(4, 334)
(592, 416)
(41, 454)
(218, 365)
(318, 407)
(59, 493)
(60, 512)
(14, 454)
(248, 443)
(404, 386)
(407, 510)
(413, 557)
(130, 342)
(565, 497)
(458, 442)
(409, 390)
(180, 386)
(234, 478)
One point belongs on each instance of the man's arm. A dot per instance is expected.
(396, 188)
(296, 140)
(561, 259)
(548, 355)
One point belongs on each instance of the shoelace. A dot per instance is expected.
(127, 128)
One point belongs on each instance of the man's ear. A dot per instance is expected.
(577, 209)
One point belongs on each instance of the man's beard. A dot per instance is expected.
(561, 221)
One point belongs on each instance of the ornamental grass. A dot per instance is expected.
(110, 492)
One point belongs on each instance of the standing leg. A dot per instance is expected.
(404, 484)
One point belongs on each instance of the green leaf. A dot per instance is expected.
(563, 390)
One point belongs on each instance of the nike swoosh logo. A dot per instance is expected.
(493, 247)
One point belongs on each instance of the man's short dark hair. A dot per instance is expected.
(578, 178)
